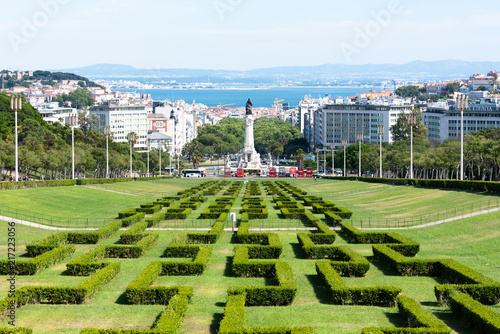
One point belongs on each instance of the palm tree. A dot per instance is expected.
(300, 155)
(196, 157)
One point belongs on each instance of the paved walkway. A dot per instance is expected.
(439, 222)
(45, 227)
(111, 191)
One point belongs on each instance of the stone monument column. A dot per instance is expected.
(249, 146)
(248, 157)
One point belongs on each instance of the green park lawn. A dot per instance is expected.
(472, 242)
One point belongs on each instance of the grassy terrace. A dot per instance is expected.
(472, 242)
(365, 199)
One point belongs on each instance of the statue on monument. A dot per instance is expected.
(249, 107)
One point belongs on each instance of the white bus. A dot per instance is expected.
(193, 173)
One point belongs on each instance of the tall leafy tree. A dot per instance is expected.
(401, 130)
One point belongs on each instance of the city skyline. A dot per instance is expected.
(242, 34)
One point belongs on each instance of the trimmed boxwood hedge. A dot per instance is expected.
(341, 295)
(127, 213)
(234, 320)
(134, 234)
(46, 244)
(418, 320)
(132, 251)
(395, 241)
(131, 220)
(150, 210)
(62, 295)
(463, 278)
(88, 263)
(332, 218)
(176, 212)
(169, 320)
(264, 245)
(140, 292)
(481, 318)
(199, 254)
(94, 237)
(212, 236)
(343, 259)
(155, 219)
(39, 263)
(280, 295)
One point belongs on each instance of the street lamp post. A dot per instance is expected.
(317, 160)
(344, 143)
(462, 104)
(169, 162)
(159, 154)
(107, 133)
(360, 139)
(324, 160)
(16, 105)
(131, 137)
(148, 142)
(332, 146)
(412, 121)
(72, 124)
(380, 132)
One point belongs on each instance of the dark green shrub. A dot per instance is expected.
(481, 318)
(200, 254)
(39, 263)
(150, 210)
(131, 220)
(341, 295)
(46, 244)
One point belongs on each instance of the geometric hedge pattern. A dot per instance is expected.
(256, 254)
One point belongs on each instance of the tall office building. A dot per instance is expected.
(122, 119)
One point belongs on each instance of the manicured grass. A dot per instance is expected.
(152, 188)
(386, 201)
(69, 202)
(473, 242)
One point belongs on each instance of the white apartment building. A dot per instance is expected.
(442, 120)
(55, 114)
(478, 80)
(123, 118)
(335, 122)
(180, 124)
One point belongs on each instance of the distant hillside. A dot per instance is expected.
(48, 78)
(444, 69)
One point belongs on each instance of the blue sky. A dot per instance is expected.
(244, 34)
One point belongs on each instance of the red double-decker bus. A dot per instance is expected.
(300, 173)
(240, 172)
(309, 172)
(293, 171)
(227, 172)
(272, 172)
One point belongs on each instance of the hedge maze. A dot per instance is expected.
(254, 254)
